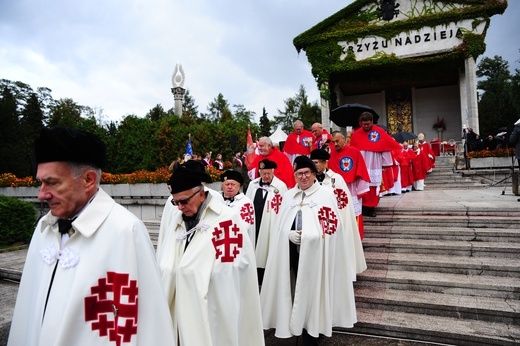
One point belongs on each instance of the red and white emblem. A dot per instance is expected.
(112, 307)
(328, 220)
(227, 241)
(341, 197)
(276, 202)
(247, 213)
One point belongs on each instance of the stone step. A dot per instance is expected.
(438, 304)
(445, 283)
(443, 247)
(413, 262)
(457, 218)
(438, 329)
(436, 233)
(153, 230)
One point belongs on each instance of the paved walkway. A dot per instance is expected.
(482, 201)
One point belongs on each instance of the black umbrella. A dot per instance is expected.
(348, 114)
(404, 136)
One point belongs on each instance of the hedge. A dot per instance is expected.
(17, 221)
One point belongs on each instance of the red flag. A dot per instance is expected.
(250, 150)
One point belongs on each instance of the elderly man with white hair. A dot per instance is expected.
(283, 171)
(298, 142)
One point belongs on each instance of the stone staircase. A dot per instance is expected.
(444, 176)
(153, 230)
(441, 276)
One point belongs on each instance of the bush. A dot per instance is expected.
(17, 219)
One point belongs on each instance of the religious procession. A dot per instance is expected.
(282, 253)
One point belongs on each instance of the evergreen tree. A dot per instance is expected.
(265, 124)
(242, 114)
(156, 113)
(11, 136)
(31, 124)
(496, 105)
(298, 107)
(189, 109)
(219, 110)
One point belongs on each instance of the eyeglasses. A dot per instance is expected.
(185, 200)
(302, 174)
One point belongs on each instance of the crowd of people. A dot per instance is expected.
(491, 142)
(282, 254)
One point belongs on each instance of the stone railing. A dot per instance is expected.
(146, 201)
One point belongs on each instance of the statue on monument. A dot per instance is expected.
(178, 90)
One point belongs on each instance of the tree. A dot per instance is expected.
(156, 113)
(298, 107)
(242, 114)
(65, 112)
(219, 110)
(11, 136)
(265, 124)
(189, 109)
(133, 145)
(496, 101)
(31, 123)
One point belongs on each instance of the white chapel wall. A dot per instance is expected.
(443, 101)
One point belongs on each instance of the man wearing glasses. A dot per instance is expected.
(208, 267)
(307, 287)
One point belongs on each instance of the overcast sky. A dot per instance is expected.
(119, 55)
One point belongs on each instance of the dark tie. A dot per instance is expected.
(65, 225)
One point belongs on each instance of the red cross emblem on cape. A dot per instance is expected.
(328, 220)
(341, 197)
(112, 307)
(247, 213)
(227, 241)
(276, 202)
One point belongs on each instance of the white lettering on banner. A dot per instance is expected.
(425, 41)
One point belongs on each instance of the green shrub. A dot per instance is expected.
(17, 220)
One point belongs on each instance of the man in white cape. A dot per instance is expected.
(232, 181)
(266, 192)
(307, 288)
(208, 268)
(329, 178)
(90, 277)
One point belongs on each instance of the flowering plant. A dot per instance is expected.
(440, 124)
(501, 152)
(159, 176)
(213, 173)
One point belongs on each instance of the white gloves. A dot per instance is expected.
(295, 237)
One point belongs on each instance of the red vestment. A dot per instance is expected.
(349, 163)
(376, 140)
(298, 144)
(319, 142)
(428, 155)
(405, 161)
(284, 171)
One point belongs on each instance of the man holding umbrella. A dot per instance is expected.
(376, 147)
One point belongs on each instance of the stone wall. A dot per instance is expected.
(146, 201)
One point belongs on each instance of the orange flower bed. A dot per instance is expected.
(161, 175)
(502, 152)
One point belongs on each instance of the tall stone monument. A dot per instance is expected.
(178, 90)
